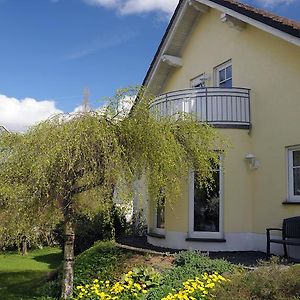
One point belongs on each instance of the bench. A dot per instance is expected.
(290, 234)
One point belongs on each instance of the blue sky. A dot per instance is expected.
(52, 49)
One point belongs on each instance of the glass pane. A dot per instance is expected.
(296, 173)
(222, 75)
(229, 72)
(226, 84)
(207, 207)
(160, 217)
(296, 158)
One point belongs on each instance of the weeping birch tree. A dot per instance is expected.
(72, 164)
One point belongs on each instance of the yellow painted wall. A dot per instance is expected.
(270, 67)
(238, 202)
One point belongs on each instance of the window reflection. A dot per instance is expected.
(207, 206)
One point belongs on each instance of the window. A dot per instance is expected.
(198, 82)
(294, 174)
(223, 74)
(206, 208)
(159, 217)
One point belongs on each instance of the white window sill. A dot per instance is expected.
(291, 202)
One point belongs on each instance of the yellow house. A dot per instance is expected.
(237, 68)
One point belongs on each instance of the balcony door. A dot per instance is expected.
(206, 208)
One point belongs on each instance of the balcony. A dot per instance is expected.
(221, 107)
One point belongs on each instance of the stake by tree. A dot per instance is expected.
(72, 164)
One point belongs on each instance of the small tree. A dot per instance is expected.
(71, 164)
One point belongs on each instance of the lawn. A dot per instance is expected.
(20, 276)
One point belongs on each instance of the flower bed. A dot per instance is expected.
(135, 285)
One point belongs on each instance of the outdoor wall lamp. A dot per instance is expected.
(252, 161)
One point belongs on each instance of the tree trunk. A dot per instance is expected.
(24, 245)
(68, 272)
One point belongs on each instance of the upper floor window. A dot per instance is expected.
(294, 174)
(198, 82)
(223, 75)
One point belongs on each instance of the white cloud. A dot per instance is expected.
(18, 115)
(166, 6)
(273, 3)
(137, 6)
(105, 3)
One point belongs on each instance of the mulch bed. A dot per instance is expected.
(245, 258)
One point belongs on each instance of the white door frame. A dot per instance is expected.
(156, 229)
(204, 234)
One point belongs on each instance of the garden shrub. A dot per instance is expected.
(138, 283)
(103, 261)
(194, 259)
(268, 282)
(102, 226)
(187, 265)
(133, 285)
(197, 288)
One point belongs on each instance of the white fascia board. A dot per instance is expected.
(167, 42)
(2, 129)
(198, 6)
(285, 36)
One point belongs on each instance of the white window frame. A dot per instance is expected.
(204, 234)
(196, 81)
(290, 174)
(219, 68)
(156, 229)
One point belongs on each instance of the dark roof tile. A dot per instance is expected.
(284, 24)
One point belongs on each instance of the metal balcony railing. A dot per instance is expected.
(222, 107)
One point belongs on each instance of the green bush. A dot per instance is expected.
(146, 275)
(134, 284)
(103, 226)
(103, 261)
(271, 282)
(195, 260)
(187, 265)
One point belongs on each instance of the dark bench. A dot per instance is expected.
(290, 233)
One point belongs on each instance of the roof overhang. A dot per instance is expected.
(181, 24)
(3, 129)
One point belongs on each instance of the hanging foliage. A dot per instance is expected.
(72, 164)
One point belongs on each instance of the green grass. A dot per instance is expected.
(20, 276)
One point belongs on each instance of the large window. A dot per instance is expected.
(294, 174)
(223, 75)
(206, 207)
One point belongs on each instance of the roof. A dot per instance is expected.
(284, 24)
(288, 27)
(3, 129)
